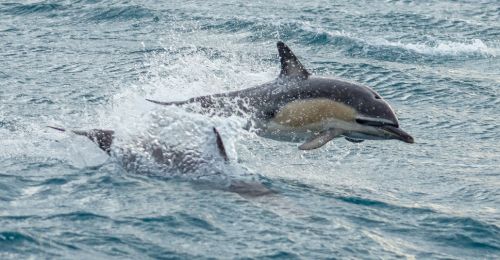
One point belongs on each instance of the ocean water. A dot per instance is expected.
(91, 64)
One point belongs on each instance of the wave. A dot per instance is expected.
(79, 216)
(387, 49)
(447, 48)
(463, 232)
(13, 238)
(360, 45)
(20, 9)
(444, 228)
(121, 13)
(355, 44)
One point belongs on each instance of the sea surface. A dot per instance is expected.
(91, 64)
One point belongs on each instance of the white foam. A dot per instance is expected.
(184, 71)
(435, 47)
(474, 46)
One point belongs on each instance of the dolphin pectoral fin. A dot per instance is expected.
(352, 140)
(320, 140)
(290, 65)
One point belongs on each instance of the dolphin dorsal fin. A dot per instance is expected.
(103, 138)
(290, 65)
(220, 145)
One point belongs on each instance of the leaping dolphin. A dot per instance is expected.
(298, 106)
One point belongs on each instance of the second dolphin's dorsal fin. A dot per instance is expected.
(290, 65)
(103, 138)
(220, 145)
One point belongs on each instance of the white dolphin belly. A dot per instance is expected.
(301, 119)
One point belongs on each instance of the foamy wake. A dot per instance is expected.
(434, 47)
(475, 46)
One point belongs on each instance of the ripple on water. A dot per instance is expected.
(35, 8)
(463, 232)
(123, 13)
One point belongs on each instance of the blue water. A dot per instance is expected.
(90, 64)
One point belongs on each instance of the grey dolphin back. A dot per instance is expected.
(290, 65)
(291, 68)
(103, 138)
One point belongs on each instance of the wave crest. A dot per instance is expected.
(444, 48)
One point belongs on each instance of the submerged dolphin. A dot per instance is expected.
(184, 162)
(298, 106)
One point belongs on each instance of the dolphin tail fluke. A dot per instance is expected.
(220, 145)
(103, 138)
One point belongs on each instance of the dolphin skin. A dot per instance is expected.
(298, 106)
(184, 162)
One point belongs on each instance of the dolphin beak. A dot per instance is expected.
(398, 133)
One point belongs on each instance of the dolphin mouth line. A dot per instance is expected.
(373, 122)
(398, 133)
(388, 127)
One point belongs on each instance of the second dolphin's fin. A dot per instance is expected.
(220, 145)
(320, 139)
(103, 138)
(290, 65)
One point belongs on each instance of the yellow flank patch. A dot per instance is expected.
(304, 112)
